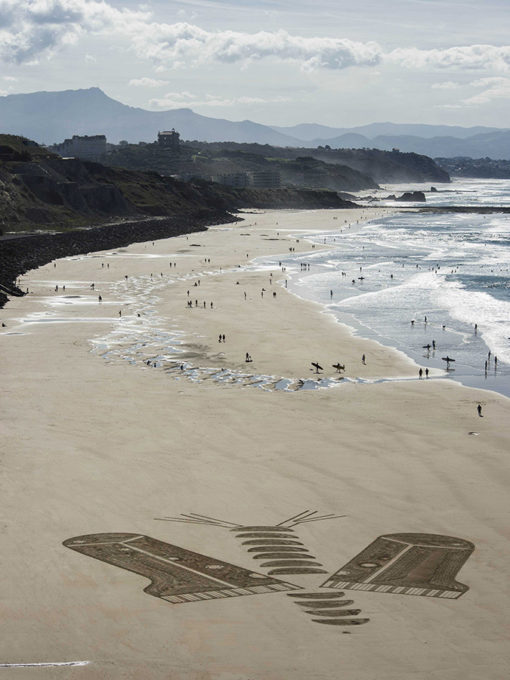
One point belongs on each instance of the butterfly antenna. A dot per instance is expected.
(318, 519)
(300, 514)
(221, 522)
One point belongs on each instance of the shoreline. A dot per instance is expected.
(464, 373)
(408, 366)
(95, 445)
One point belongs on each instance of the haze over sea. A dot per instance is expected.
(452, 269)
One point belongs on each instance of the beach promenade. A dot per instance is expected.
(137, 415)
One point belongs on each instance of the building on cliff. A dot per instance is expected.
(86, 147)
(267, 179)
(169, 139)
(237, 180)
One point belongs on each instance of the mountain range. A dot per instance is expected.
(50, 117)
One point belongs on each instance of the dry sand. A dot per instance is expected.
(96, 444)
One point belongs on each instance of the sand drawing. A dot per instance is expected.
(278, 544)
(279, 550)
(176, 575)
(407, 564)
(329, 608)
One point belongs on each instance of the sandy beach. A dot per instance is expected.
(121, 412)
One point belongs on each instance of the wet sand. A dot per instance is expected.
(96, 441)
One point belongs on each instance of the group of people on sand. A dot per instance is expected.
(204, 304)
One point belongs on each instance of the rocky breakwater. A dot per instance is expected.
(20, 253)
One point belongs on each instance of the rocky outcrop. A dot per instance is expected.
(412, 197)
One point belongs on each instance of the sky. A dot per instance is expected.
(280, 62)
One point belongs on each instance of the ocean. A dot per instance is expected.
(413, 280)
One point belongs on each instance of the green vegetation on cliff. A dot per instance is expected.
(41, 191)
(297, 167)
(334, 169)
(476, 167)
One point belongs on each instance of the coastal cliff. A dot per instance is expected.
(84, 207)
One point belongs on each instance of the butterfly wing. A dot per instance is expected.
(176, 575)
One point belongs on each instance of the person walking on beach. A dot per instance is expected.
(479, 409)
(420, 373)
(426, 372)
(363, 361)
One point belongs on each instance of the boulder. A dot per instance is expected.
(412, 197)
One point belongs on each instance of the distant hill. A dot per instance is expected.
(377, 166)
(475, 167)
(389, 167)
(214, 160)
(334, 169)
(310, 132)
(50, 117)
(492, 144)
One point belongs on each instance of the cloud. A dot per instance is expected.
(174, 100)
(185, 14)
(495, 88)
(182, 43)
(32, 29)
(446, 85)
(469, 57)
(187, 99)
(147, 82)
